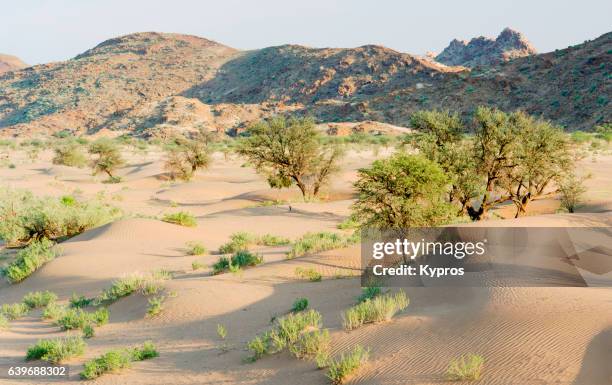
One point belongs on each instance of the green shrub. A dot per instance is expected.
(197, 265)
(311, 344)
(14, 311)
(78, 318)
(465, 368)
(69, 154)
(273, 240)
(114, 360)
(182, 218)
(156, 306)
(4, 322)
(88, 331)
(368, 293)
(580, 137)
(310, 274)
(347, 364)
(316, 242)
(221, 331)
(146, 284)
(348, 224)
(238, 242)
(80, 301)
(56, 350)
(29, 260)
(285, 333)
(378, 309)
(38, 299)
(53, 311)
(299, 305)
(195, 248)
(239, 260)
(25, 217)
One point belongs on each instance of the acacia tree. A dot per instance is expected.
(289, 151)
(541, 156)
(109, 157)
(441, 140)
(401, 192)
(186, 156)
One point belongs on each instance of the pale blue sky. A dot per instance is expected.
(40, 31)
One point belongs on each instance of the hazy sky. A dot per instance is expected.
(40, 31)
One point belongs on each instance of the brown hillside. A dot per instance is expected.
(10, 63)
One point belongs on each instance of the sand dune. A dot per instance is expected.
(529, 336)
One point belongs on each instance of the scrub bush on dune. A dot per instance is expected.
(182, 218)
(25, 217)
(347, 364)
(29, 260)
(56, 350)
(117, 359)
(378, 309)
(237, 261)
(38, 299)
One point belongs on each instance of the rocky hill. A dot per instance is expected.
(510, 44)
(151, 82)
(10, 63)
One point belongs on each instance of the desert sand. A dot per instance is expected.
(529, 336)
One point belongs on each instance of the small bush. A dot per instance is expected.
(80, 301)
(286, 332)
(378, 309)
(147, 284)
(69, 154)
(221, 331)
(368, 293)
(195, 248)
(78, 318)
(14, 311)
(347, 364)
(310, 274)
(316, 242)
(348, 224)
(238, 242)
(117, 359)
(299, 305)
(29, 260)
(38, 299)
(182, 218)
(311, 344)
(88, 331)
(56, 350)
(273, 240)
(580, 137)
(197, 265)
(4, 322)
(53, 311)
(239, 260)
(156, 306)
(465, 368)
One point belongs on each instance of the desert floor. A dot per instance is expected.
(529, 336)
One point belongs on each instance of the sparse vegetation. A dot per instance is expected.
(310, 274)
(378, 309)
(185, 156)
(571, 191)
(117, 359)
(54, 311)
(241, 241)
(81, 301)
(465, 368)
(289, 151)
(311, 344)
(182, 218)
(348, 363)
(56, 350)
(29, 260)
(197, 265)
(221, 331)
(369, 292)
(4, 322)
